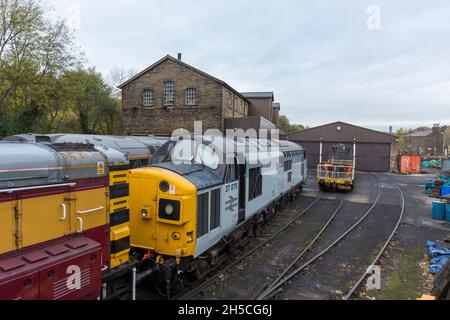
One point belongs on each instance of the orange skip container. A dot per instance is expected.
(409, 163)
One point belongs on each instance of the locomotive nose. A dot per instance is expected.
(163, 211)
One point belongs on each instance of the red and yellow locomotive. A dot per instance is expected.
(65, 219)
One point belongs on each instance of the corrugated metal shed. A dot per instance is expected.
(373, 150)
(341, 132)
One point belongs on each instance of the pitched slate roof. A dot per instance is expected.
(170, 58)
(424, 133)
(258, 95)
(341, 132)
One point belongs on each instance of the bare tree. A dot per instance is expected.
(116, 77)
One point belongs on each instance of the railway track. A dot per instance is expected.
(276, 286)
(380, 253)
(292, 264)
(191, 293)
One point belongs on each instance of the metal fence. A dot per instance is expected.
(334, 172)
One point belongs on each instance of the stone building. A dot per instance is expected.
(447, 141)
(262, 105)
(171, 94)
(425, 142)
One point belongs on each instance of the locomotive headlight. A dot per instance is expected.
(169, 209)
(144, 213)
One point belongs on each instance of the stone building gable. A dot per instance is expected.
(161, 120)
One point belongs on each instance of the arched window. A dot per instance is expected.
(169, 93)
(191, 97)
(147, 98)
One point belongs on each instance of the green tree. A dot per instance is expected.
(401, 137)
(285, 125)
(34, 53)
(90, 100)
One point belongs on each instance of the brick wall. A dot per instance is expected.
(233, 106)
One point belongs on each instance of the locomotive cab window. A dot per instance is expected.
(255, 184)
(230, 173)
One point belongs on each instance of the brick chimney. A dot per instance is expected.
(436, 127)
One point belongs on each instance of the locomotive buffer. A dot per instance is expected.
(338, 171)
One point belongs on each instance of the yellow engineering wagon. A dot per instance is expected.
(338, 172)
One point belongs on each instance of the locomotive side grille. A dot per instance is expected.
(119, 217)
(215, 209)
(119, 220)
(202, 214)
(119, 190)
(61, 289)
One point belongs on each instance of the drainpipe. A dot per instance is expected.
(320, 151)
(354, 157)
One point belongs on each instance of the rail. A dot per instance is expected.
(190, 294)
(361, 279)
(292, 264)
(273, 290)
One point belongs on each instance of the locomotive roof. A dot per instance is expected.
(25, 164)
(135, 147)
(260, 144)
(199, 175)
(127, 145)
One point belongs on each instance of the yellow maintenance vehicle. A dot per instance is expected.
(338, 171)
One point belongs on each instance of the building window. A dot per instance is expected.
(147, 98)
(191, 97)
(169, 93)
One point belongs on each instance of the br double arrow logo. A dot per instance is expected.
(231, 203)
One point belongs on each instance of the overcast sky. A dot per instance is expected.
(324, 60)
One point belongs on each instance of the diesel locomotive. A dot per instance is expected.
(79, 223)
(64, 214)
(189, 212)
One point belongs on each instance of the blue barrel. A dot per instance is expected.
(447, 212)
(438, 211)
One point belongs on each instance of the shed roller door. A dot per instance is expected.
(373, 157)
